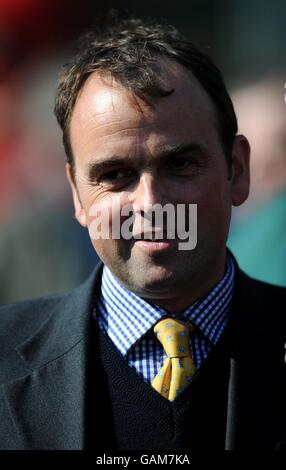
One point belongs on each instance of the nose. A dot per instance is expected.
(147, 193)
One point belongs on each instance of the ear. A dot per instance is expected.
(240, 177)
(80, 214)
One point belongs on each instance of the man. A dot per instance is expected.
(147, 121)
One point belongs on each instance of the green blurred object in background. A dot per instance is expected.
(259, 241)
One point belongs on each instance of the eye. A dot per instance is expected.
(180, 163)
(184, 167)
(115, 176)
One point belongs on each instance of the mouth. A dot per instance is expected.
(152, 237)
(151, 243)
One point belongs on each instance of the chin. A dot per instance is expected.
(157, 280)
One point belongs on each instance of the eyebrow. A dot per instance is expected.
(94, 168)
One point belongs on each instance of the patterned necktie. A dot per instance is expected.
(178, 367)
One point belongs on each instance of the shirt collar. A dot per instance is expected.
(126, 317)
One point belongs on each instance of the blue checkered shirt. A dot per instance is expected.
(129, 320)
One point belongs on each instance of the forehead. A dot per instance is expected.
(106, 110)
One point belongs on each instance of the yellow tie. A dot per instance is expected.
(178, 367)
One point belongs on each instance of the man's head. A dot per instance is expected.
(146, 117)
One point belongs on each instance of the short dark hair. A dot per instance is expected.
(128, 50)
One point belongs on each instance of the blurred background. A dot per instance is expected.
(42, 247)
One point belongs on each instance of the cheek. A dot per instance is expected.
(214, 206)
(104, 217)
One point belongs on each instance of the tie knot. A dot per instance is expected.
(174, 337)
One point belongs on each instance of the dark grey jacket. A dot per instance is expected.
(45, 365)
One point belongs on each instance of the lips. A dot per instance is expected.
(151, 237)
(151, 247)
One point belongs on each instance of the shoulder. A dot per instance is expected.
(260, 308)
(261, 291)
(19, 320)
(39, 330)
(25, 317)
(255, 293)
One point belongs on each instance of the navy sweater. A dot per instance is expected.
(136, 417)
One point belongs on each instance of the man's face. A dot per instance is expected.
(123, 148)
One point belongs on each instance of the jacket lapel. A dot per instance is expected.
(47, 405)
(240, 406)
(256, 410)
